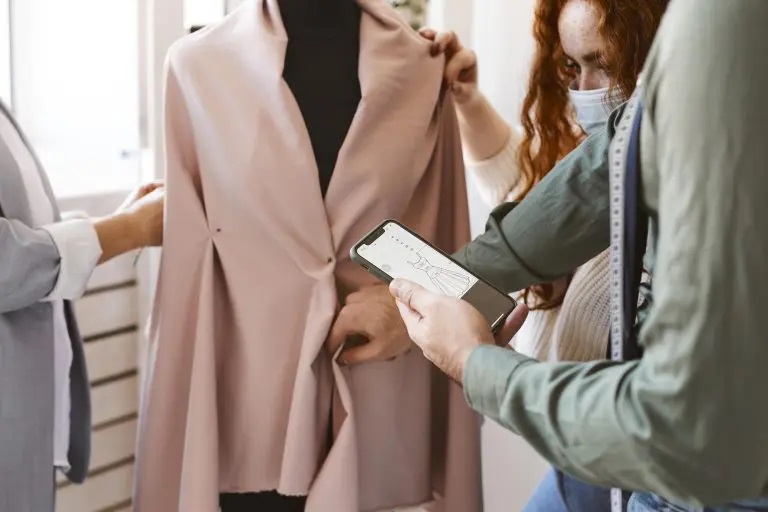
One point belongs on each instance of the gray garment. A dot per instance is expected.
(29, 268)
(688, 421)
(562, 224)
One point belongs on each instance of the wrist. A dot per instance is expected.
(461, 360)
(484, 132)
(130, 229)
(470, 104)
(118, 233)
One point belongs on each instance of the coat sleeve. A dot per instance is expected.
(29, 265)
(561, 224)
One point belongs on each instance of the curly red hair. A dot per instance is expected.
(627, 29)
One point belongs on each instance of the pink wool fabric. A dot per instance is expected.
(240, 393)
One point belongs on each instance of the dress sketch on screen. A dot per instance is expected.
(447, 281)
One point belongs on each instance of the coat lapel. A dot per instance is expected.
(285, 177)
(399, 81)
(391, 139)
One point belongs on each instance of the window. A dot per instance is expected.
(5, 52)
(75, 83)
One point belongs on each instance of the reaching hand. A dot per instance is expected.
(447, 329)
(370, 327)
(138, 193)
(145, 207)
(460, 64)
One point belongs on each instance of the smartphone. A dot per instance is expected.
(392, 251)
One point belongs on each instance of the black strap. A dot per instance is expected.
(635, 237)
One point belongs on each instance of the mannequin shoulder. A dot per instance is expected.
(212, 42)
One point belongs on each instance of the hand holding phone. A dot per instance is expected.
(393, 251)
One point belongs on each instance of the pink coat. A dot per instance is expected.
(240, 393)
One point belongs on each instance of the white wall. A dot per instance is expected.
(504, 45)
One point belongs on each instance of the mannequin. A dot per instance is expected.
(321, 70)
(290, 132)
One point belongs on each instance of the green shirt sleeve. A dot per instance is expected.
(689, 421)
(560, 225)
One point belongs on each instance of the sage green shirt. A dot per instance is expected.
(690, 420)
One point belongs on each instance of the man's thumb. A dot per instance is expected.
(406, 292)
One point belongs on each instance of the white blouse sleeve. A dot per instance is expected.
(496, 176)
(79, 249)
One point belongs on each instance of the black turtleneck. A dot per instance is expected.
(321, 69)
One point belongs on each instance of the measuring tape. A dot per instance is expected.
(618, 160)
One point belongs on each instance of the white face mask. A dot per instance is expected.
(592, 109)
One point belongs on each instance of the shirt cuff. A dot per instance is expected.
(79, 252)
(74, 214)
(486, 376)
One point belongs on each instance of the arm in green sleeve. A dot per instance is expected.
(560, 225)
(689, 421)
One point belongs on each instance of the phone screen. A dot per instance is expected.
(401, 255)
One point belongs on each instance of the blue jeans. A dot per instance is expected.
(645, 502)
(559, 492)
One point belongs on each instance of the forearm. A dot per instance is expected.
(613, 424)
(117, 235)
(497, 177)
(567, 411)
(55, 261)
(560, 225)
(483, 131)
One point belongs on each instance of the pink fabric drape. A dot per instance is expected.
(240, 393)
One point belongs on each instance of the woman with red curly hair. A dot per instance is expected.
(588, 57)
